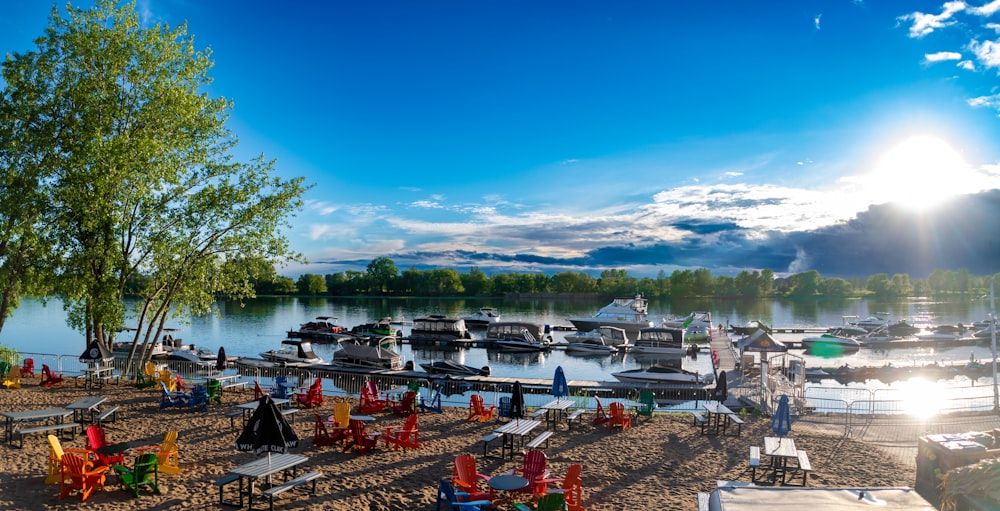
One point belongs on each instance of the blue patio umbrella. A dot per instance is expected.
(559, 386)
(781, 423)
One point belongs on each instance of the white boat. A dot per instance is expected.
(363, 355)
(293, 352)
(482, 318)
(437, 327)
(452, 367)
(628, 314)
(702, 318)
(504, 329)
(662, 374)
(590, 343)
(523, 342)
(659, 341)
(830, 341)
(610, 335)
(697, 333)
(870, 323)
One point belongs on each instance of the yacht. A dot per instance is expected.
(438, 327)
(523, 341)
(660, 341)
(629, 314)
(662, 374)
(482, 318)
(504, 329)
(293, 352)
(595, 342)
(610, 335)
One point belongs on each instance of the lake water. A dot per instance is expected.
(262, 324)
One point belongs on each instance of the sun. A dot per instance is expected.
(919, 173)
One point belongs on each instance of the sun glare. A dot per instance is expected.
(918, 174)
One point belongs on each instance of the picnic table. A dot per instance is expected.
(264, 467)
(95, 376)
(515, 430)
(58, 414)
(780, 450)
(85, 404)
(718, 418)
(555, 410)
(250, 406)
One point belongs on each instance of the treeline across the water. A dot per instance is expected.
(382, 278)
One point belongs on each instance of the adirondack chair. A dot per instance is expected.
(170, 398)
(143, 473)
(179, 384)
(80, 474)
(282, 389)
(258, 391)
(647, 403)
(56, 452)
(167, 378)
(341, 418)
(550, 502)
(96, 439)
(407, 405)
(360, 439)
(323, 437)
(4, 368)
(311, 398)
(50, 379)
(148, 376)
(167, 454)
(370, 401)
(570, 486)
(404, 436)
(619, 417)
(434, 403)
(214, 389)
(466, 478)
(478, 410)
(504, 410)
(447, 493)
(199, 398)
(13, 380)
(28, 368)
(533, 468)
(600, 416)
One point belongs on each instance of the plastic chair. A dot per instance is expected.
(533, 468)
(371, 401)
(647, 403)
(312, 398)
(504, 410)
(323, 437)
(549, 502)
(478, 410)
(571, 488)
(13, 380)
(172, 399)
(600, 416)
(447, 493)
(360, 439)
(341, 417)
(281, 388)
(466, 478)
(434, 403)
(80, 474)
(143, 473)
(619, 417)
(214, 389)
(50, 379)
(28, 368)
(404, 436)
(407, 405)
(167, 455)
(199, 397)
(167, 378)
(55, 457)
(96, 440)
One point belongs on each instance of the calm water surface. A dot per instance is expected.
(262, 323)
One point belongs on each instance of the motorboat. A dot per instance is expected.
(695, 318)
(185, 355)
(629, 314)
(322, 328)
(610, 335)
(437, 327)
(482, 318)
(293, 352)
(662, 374)
(455, 368)
(121, 349)
(382, 327)
(504, 329)
(697, 333)
(521, 342)
(659, 341)
(592, 344)
(829, 341)
(362, 355)
(848, 328)
(870, 323)
(943, 333)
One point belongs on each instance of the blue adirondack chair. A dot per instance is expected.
(504, 409)
(433, 404)
(281, 388)
(199, 397)
(169, 399)
(447, 493)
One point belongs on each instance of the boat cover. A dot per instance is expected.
(778, 498)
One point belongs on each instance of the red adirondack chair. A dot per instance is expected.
(324, 437)
(50, 379)
(466, 478)
(407, 405)
(478, 410)
(360, 439)
(619, 417)
(370, 401)
(533, 468)
(96, 440)
(28, 368)
(312, 398)
(600, 416)
(404, 436)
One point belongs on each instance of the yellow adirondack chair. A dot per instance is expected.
(55, 459)
(13, 380)
(166, 454)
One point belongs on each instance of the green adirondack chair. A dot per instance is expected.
(143, 473)
(646, 403)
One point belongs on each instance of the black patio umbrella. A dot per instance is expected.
(517, 401)
(267, 430)
(96, 353)
(220, 361)
(720, 392)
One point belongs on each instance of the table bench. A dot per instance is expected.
(703, 501)
(538, 413)
(804, 466)
(735, 419)
(289, 411)
(577, 415)
(699, 420)
(238, 384)
(537, 441)
(233, 414)
(486, 443)
(60, 427)
(221, 483)
(109, 413)
(754, 462)
(274, 491)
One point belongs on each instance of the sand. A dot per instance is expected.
(660, 463)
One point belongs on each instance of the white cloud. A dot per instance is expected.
(924, 24)
(816, 20)
(993, 26)
(322, 207)
(426, 204)
(987, 52)
(317, 231)
(968, 65)
(733, 174)
(986, 10)
(942, 56)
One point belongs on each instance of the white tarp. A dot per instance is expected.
(777, 498)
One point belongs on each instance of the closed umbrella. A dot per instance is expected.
(267, 430)
(720, 392)
(559, 386)
(781, 423)
(517, 401)
(220, 361)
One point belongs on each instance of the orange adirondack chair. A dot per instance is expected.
(600, 416)
(533, 468)
(466, 478)
(80, 474)
(322, 437)
(50, 379)
(312, 398)
(28, 368)
(571, 487)
(619, 417)
(97, 439)
(478, 410)
(407, 405)
(404, 436)
(360, 439)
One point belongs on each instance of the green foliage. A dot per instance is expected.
(9, 355)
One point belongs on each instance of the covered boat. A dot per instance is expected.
(382, 327)
(659, 341)
(610, 335)
(363, 355)
(627, 313)
(293, 352)
(452, 367)
(504, 329)
(662, 374)
(437, 327)
(592, 343)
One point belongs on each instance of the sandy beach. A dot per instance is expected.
(660, 463)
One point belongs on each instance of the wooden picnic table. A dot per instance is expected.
(718, 417)
(515, 430)
(264, 467)
(780, 449)
(94, 376)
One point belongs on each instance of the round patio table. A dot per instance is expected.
(507, 483)
(362, 418)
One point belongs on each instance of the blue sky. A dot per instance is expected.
(644, 135)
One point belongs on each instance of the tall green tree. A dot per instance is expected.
(381, 272)
(137, 166)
